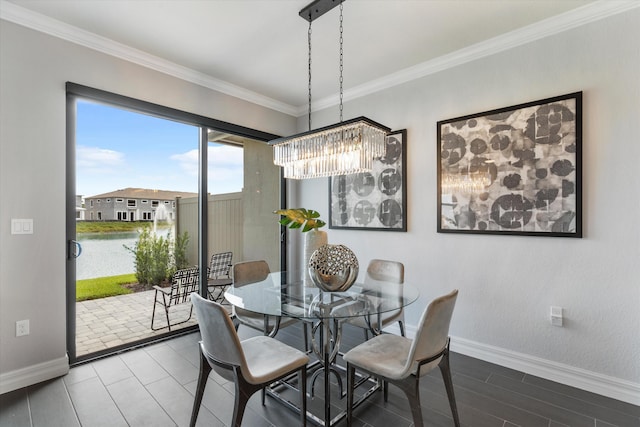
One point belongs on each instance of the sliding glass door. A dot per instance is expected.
(153, 191)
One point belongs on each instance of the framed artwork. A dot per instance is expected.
(515, 170)
(375, 200)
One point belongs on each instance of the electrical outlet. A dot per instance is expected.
(22, 328)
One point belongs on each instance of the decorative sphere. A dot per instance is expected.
(333, 268)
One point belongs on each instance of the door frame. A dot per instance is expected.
(76, 91)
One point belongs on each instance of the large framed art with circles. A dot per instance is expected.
(515, 170)
(375, 200)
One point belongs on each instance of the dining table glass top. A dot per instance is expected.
(285, 294)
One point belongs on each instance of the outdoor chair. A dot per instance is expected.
(183, 283)
(218, 276)
(252, 364)
(401, 361)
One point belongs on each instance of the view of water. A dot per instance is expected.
(104, 254)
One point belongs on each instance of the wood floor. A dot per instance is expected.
(154, 386)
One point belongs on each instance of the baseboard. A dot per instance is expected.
(604, 385)
(34, 374)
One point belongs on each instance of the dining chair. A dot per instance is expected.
(402, 361)
(391, 272)
(252, 364)
(247, 272)
(219, 275)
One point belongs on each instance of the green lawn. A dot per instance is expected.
(102, 287)
(114, 226)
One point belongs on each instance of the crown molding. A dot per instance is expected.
(36, 21)
(592, 12)
(580, 16)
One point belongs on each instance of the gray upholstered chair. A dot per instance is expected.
(248, 272)
(251, 364)
(401, 361)
(392, 272)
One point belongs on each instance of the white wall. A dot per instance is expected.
(33, 71)
(508, 283)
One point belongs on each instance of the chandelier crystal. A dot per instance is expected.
(471, 183)
(344, 148)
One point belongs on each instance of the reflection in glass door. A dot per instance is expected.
(244, 191)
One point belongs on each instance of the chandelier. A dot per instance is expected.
(344, 148)
(465, 183)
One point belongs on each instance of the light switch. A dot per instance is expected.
(21, 226)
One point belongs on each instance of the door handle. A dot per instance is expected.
(74, 249)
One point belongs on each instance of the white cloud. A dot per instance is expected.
(95, 159)
(225, 163)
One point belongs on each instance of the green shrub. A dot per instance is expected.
(180, 251)
(157, 257)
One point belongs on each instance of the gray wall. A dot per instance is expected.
(33, 70)
(508, 283)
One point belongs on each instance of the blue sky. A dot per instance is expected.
(117, 149)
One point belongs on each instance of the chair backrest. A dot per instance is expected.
(250, 272)
(220, 265)
(183, 283)
(433, 331)
(383, 270)
(219, 337)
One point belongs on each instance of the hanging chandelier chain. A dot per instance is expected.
(309, 43)
(341, 60)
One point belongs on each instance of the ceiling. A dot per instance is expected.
(257, 49)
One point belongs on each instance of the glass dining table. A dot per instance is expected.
(283, 294)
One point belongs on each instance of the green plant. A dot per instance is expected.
(180, 260)
(151, 257)
(306, 219)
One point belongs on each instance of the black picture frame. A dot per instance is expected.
(530, 155)
(376, 200)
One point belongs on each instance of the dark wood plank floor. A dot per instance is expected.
(154, 386)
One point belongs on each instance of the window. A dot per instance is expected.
(108, 200)
(146, 215)
(119, 200)
(91, 203)
(131, 203)
(166, 202)
(121, 215)
(145, 201)
(99, 215)
(154, 203)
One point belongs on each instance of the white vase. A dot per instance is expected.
(312, 240)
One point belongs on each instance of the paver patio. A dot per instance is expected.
(108, 322)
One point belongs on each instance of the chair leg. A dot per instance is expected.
(205, 369)
(445, 369)
(166, 312)
(401, 325)
(244, 391)
(351, 379)
(302, 384)
(305, 336)
(411, 389)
